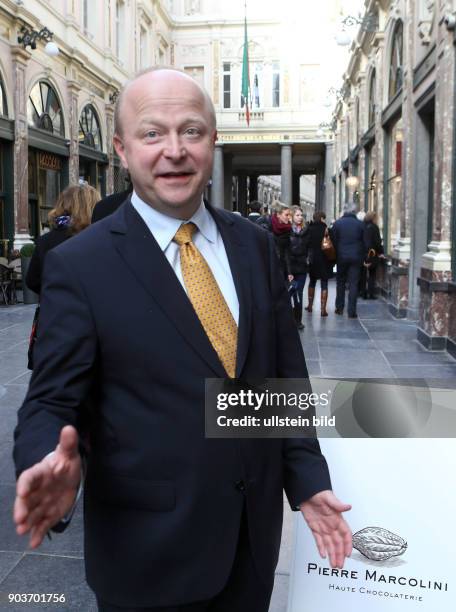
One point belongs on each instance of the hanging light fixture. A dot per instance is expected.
(352, 183)
(368, 23)
(29, 38)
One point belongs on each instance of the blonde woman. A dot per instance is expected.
(72, 213)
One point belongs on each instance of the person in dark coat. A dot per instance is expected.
(374, 252)
(319, 266)
(298, 253)
(72, 213)
(254, 211)
(110, 204)
(265, 220)
(348, 238)
(281, 228)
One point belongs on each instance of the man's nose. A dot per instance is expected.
(174, 147)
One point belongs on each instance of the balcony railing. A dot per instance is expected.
(254, 116)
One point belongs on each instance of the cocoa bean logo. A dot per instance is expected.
(378, 544)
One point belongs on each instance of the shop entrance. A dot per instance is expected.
(94, 173)
(45, 184)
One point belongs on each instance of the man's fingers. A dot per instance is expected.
(348, 541)
(68, 442)
(30, 480)
(320, 545)
(329, 549)
(336, 504)
(38, 533)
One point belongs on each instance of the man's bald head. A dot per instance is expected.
(161, 74)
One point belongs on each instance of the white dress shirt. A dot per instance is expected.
(207, 240)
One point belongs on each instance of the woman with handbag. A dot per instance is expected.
(72, 213)
(320, 266)
(299, 247)
(374, 250)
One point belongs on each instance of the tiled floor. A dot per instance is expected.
(375, 345)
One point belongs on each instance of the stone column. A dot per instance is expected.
(217, 187)
(242, 193)
(319, 191)
(328, 204)
(296, 189)
(286, 172)
(20, 58)
(253, 187)
(383, 271)
(109, 109)
(228, 181)
(435, 300)
(73, 90)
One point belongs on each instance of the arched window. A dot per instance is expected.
(372, 100)
(3, 104)
(396, 70)
(89, 128)
(44, 110)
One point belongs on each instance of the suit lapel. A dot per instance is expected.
(238, 259)
(148, 264)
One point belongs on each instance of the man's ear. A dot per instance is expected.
(215, 137)
(120, 149)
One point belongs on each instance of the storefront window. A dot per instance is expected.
(44, 110)
(395, 185)
(89, 128)
(396, 70)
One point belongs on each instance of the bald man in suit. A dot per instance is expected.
(174, 521)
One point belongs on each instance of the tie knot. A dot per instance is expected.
(184, 233)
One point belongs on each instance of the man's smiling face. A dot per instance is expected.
(167, 141)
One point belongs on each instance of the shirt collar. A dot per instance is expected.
(164, 228)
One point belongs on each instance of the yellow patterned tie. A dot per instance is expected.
(207, 299)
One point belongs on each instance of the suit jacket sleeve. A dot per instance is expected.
(305, 471)
(64, 356)
(33, 278)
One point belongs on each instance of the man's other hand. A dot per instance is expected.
(46, 492)
(323, 514)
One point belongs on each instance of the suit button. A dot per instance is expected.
(240, 485)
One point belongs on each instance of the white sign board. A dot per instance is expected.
(404, 511)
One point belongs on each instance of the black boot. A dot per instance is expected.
(297, 311)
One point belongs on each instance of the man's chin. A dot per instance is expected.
(181, 208)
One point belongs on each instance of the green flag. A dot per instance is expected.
(245, 91)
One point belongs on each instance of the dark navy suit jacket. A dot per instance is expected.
(162, 509)
(348, 237)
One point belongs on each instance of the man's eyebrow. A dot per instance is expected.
(149, 121)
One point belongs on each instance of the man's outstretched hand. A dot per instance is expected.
(46, 492)
(323, 514)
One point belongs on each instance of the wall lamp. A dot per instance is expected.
(114, 96)
(368, 23)
(29, 37)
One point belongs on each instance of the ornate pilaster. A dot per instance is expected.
(20, 58)
(73, 90)
(436, 276)
(109, 110)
